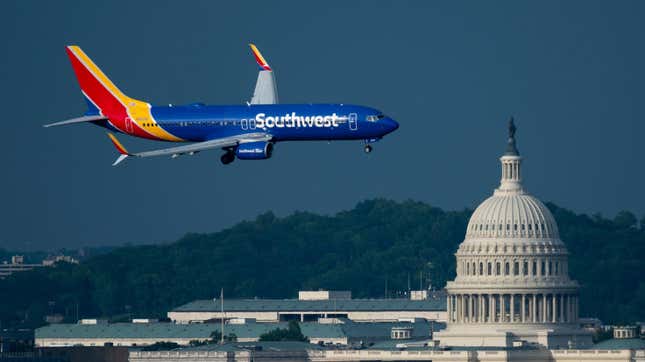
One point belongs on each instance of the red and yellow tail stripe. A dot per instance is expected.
(259, 58)
(126, 114)
(118, 144)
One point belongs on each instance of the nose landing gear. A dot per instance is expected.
(367, 148)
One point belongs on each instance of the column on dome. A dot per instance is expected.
(471, 308)
(534, 309)
(561, 305)
(482, 308)
(523, 309)
(458, 308)
(455, 307)
(512, 316)
(493, 308)
(575, 309)
(449, 308)
(554, 308)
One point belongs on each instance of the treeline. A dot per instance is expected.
(378, 246)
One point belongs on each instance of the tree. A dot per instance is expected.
(291, 333)
(625, 219)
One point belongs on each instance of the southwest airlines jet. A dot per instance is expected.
(247, 132)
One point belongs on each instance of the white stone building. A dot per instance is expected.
(512, 281)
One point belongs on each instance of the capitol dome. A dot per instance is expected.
(516, 215)
(512, 278)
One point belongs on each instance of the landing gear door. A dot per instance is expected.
(353, 121)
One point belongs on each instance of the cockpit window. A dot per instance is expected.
(375, 117)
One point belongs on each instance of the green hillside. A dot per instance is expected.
(378, 242)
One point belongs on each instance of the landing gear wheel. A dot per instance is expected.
(227, 158)
(367, 149)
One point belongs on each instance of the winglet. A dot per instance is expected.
(259, 58)
(119, 147)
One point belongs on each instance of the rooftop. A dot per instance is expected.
(203, 330)
(330, 305)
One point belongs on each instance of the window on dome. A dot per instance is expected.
(529, 227)
(490, 268)
(550, 268)
(474, 268)
(523, 227)
(498, 269)
(534, 268)
(536, 227)
(481, 268)
(508, 226)
(556, 267)
(526, 267)
(516, 268)
(542, 268)
(507, 269)
(467, 268)
(515, 227)
(542, 225)
(500, 226)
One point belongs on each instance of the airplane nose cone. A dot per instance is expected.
(391, 125)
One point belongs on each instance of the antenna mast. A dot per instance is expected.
(222, 314)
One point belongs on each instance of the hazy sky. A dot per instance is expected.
(572, 73)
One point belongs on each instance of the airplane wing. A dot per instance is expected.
(266, 91)
(76, 120)
(191, 148)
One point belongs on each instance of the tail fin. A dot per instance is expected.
(102, 96)
(266, 91)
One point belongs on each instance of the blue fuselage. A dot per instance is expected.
(283, 122)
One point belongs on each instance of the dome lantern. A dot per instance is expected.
(511, 181)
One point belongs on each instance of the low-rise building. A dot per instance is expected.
(142, 334)
(311, 306)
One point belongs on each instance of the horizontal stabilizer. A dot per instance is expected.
(77, 120)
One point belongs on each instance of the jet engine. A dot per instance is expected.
(254, 150)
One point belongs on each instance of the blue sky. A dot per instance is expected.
(452, 73)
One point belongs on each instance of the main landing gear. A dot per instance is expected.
(228, 157)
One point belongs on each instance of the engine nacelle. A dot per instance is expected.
(254, 150)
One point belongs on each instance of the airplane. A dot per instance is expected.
(246, 132)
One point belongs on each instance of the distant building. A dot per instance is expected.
(51, 260)
(311, 306)
(18, 264)
(625, 332)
